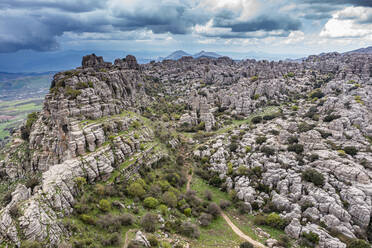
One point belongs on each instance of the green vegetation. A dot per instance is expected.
(313, 176)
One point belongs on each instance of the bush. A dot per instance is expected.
(304, 127)
(149, 222)
(260, 220)
(268, 151)
(256, 119)
(276, 221)
(151, 202)
(233, 146)
(153, 241)
(189, 230)
(316, 94)
(214, 209)
(358, 243)
(297, 148)
(242, 171)
(224, 204)
(126, 219)
(284, 241)
(31, 244)
(87, 219)
(208, 195)
(71, 93)
(292, 139)
(205, 219)
(313, 176)
(187, 212)
(261, 139)
(104, 205)
(136, 190)
(246, 244)
(170, 199)
(32, 182)
(351, 150)
(31, 119)
(331, 117)
(112, 240)
(311, 237)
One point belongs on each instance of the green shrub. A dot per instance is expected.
(254, 78)
(112, 240)
(248, 149)
(297, 148)
(187, 212)
(331, 117)
(316, 94)
(260, 220)
(205, 219)
(153, 241)
(81, 85)
(87, 219)
(31, 244)
(246, 244)
(358, 243)
(268, 151)
(149, 222)
(260, 140)
(351, 150)
(170, 199)
(292, 139)
(304, 127)
(136, 190)
(313, 176)
(256, 119)
(150, 202)
(224, 204)
(276, 221)
(233, 146)
(214, 209)
(311, 237)
(71, 93)
(189, 230)
(242, 171)
(104, 205)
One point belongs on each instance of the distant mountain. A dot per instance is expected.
(361, 50)
(206, 55)
(177, 55)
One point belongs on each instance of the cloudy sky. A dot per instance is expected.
(271, 26)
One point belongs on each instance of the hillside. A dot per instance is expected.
(205, 152)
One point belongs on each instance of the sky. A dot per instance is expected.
(232, 27)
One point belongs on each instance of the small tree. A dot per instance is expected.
(149, 222)
(151, 202)
(313, 176)
(214, 209)
(136, 190)
(170, 199)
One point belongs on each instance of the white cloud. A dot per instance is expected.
(349, 22)
(295, 37)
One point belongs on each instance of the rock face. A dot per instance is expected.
(294, 138)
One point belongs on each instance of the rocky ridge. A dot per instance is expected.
(270, 123)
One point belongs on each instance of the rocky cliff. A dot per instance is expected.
(292, 138)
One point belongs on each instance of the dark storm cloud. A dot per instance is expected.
(264, 23)
(64, 5)
(38, 24)
(362, 3)
(162, 19)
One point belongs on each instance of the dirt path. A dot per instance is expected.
(126, 241)
(240, 233)
(189, 178)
